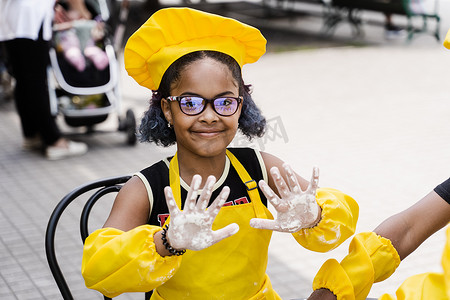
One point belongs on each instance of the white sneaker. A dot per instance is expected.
(73, 149)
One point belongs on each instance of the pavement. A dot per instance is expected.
(373, 115)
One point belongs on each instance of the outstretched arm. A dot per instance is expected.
(127, 248)
(409, 228)
(116, 258)
(405, 230)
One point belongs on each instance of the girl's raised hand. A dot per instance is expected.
(296, 209)
(191, 228)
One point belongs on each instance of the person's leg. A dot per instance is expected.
(48, 128)
(22, 72)
(29, 60)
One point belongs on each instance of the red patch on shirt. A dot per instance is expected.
(242, 200)
(162, 219)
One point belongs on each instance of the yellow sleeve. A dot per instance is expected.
(447, 40)
(116, 262)
(371, 258)
(338, 221)
(446, 262)
(426, 285)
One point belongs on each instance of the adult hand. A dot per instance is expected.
(60, 15)
(77, 10)
(296, 209)
(191, 228)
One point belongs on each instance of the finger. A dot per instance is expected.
(215, 207)
(225, 232)
(264, 224)
(292, 179)
(314, 183)
(170, 200)
(203, 201)
(272, 197)
(279, 182)
(191, 197)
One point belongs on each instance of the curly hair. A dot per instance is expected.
(153, 127)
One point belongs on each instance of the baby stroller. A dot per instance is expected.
(87, 91)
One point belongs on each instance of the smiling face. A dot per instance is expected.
(207, 134)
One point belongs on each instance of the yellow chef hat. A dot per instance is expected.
(171, 33)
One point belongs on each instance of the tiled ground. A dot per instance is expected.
(374, 119)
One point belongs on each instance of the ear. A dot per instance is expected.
(165, 107)
(241, 105)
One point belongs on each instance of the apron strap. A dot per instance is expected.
(175, 184)
(174, 179)
(252, 186)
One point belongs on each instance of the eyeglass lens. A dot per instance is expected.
(194, 105)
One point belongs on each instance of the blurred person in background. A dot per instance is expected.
(26, 29)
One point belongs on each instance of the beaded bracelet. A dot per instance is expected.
(167, 245)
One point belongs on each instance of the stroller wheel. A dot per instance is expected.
(130, 124)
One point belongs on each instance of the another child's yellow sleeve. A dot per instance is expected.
(447, 40)
(338, 221)
(115, 262)
(371, 258)
(446, 262)
(426, 285)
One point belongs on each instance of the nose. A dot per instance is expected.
(209, 115)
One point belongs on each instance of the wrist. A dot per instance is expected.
(319, 216)
(159, 246)
(167, 245)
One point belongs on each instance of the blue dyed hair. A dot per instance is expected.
(154, 127)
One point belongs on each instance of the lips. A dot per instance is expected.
(207, 132)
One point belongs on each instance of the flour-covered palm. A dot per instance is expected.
(296, 209)
(191, 228)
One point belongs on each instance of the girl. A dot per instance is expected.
(216, 247)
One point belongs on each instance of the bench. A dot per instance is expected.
(350, 10)
(284, 8)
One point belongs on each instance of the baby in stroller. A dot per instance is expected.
(79, 38)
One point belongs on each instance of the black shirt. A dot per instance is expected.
(443, 190)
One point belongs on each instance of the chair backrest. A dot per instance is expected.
(98, 189)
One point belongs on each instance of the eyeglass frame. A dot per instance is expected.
(239, 99)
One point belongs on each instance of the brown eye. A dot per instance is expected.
(191, 105)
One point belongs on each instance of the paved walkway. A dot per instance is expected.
(374, 119)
